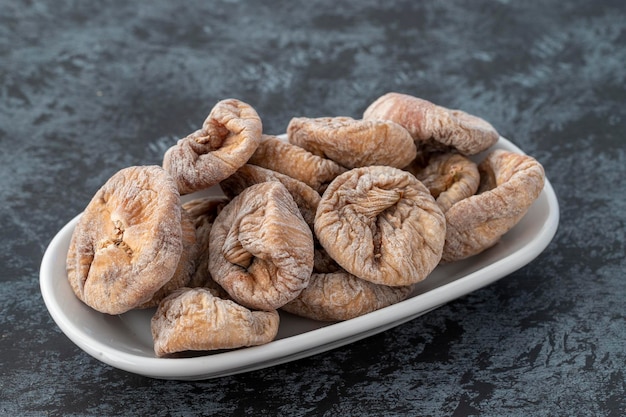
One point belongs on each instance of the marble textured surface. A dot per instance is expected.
(87, 88)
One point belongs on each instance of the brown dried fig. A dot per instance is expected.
(353, 143)
(434, 127)
(202, 212)
(510, 183)
(261, 247)
(128, 242)
(382, 225)
(296, 162)
(193, 319)
(229, 136)
(450, 177)
(342, 296)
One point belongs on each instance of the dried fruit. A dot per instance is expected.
(510, 183)
(261, 247)
(128, 242)
(229, 136)
(202, 212)
(450, 177)
(353, 143)
(382, 225)
(193, 319)
(434, 127)
(342, 296)
(296, 162)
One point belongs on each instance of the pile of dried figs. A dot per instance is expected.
(339, 220)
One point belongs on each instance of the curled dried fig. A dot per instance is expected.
(296, 162)
(128, 242)
(353, 143)
(229, 136)
(382, 225)
(510, 183)
(261, 247)
(450, 177)
(193, 319)
(434, 127)
(342, 296)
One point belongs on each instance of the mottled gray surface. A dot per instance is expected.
(87, 88)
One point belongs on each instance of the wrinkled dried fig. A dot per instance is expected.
(261, 247)
(202, 212)
(342, 296)
(193, 319)
(382, 225)
(450, 177)
(128, 242)
(296, 162)
(510, 183)
(229, 136)
(434, 127)
(353, 143)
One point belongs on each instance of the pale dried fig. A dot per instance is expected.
(202, 211)
(353, 143)
(342, 296)
(450, 177)
(434, 127)
(296, 162)
(261, 247)
(229, 136)
(382, 225)
(193, 319)
(128, 242)
(510, 183)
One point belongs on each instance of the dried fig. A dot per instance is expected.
(229, 136)
(434, 127)
(342, 296)
(193, 319)
(353, 143)
(296, 162)
(450, 177)
(261, 247)
(510, 183)
(382, 225)
(202, 212)
(128, 242)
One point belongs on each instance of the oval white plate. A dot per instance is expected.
(124, 341)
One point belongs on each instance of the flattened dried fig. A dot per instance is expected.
(261, 247)
(128, 241)
(342, 296)
(202, 212)
(510, 183)
(353, 143)
(450, 177)
(382, 225)
(193, 319)
(434, 127)
(229, 136)
(296, 162)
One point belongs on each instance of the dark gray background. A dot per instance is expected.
(87, 88)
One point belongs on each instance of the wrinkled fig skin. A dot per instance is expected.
(510, 183)
(342, 296)
(450, 177)
(261, 247)
(381, 224)
(128, 242)
(296, 162)
(433, 127)
(229, 136)
(193, 319)
(353, 143)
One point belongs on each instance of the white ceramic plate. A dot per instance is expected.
(124, 341)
